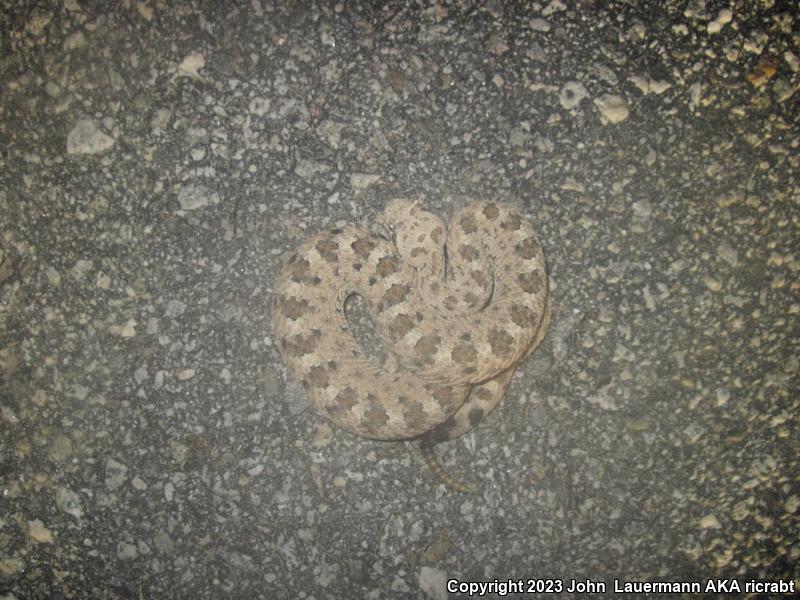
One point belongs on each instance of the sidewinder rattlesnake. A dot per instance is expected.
(459, 308)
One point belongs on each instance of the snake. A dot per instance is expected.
(458, 307)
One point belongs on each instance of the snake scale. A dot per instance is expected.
(457, 307)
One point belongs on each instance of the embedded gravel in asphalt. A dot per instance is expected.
(159, 161)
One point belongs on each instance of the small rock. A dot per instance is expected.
(776, 259)
(78, 391)
(332, 132)
(695, 9)
(572, 94)
(659, 87)
(642, 209)
(723, 18)
(8, 415)
(612, 108)
(728, 253)
(6, 266)
(259, 106)
(86, 138)
(309, 169)
(126, 330)
(539, 25)
(8, 568)
(605, 73)
(709, 522)
(69, 502)
(638, 31)
(536, 52)
(163, 542)
(116, 474)
(127, 551)
(643, 83)
(361, 181)
(53, 277)
(76, 40)
(765, 69)
(648, 86)
(81, 268)
(145, 11)
(722, 396)
(712, 284)
(175, 308)
(39, 533)
(497, 44)
(792, 60)
(723, 559)
(190, 65)
(141, 374)
(194, 195)
(433, 583)
(554, 6)
(638, 424)
(784, 90)
(60, 448)
(438, 548)
(755, 42)
(323, 435)
(517, 138)
(695, 95)
(37, 22)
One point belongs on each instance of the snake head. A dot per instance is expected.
(399, 212)
(418, 235)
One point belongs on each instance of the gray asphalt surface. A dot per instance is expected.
(159, 161)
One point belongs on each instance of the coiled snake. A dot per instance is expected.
(458, 307)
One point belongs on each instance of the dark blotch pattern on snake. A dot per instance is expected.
(456, 321)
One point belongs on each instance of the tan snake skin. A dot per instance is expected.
(458, 308)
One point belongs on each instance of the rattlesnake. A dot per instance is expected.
(458, 308)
